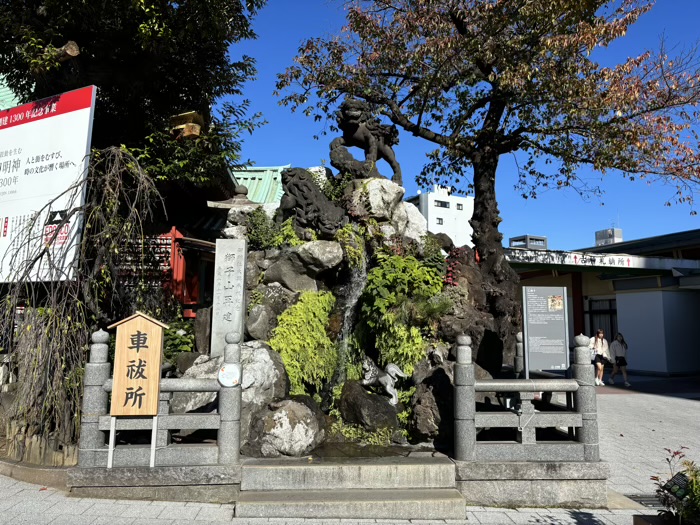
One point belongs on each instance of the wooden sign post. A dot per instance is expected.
(136, 383)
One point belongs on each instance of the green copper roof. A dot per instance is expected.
(264, 183)
(7, 97)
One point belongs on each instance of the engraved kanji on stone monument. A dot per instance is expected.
(229, 285)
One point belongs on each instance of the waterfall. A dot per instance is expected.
(358, 278)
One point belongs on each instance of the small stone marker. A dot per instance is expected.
(229, 283)
(137, 358)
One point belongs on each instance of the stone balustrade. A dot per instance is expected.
(96, 419)
(580, 443)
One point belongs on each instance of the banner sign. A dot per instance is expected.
(596, 260)
(546, 333)
(44, 148)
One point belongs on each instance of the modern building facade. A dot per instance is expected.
(446, 213)
(647, 289)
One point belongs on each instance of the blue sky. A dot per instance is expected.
(564, 217)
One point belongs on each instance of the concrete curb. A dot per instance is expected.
(55, 477)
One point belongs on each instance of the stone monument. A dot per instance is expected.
(228, 312)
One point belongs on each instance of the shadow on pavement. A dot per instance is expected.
(682, 387)
(572, 516)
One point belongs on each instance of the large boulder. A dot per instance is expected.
(253, 272)
(433, 402)
(374, 198)
(288, 274)
(263, 381)
(204, 367)
(409, 222)
(264, 378)
(277, 297)
(371, 411)
(264, 305)
(260, 322)
(318, 256)
(235, 232)
(185, 360)
(286, 428)
(297, 267)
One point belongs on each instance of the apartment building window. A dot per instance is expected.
(442, 204)
(460, 206)
(438, 220)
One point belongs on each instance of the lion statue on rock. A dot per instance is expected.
(363, 131)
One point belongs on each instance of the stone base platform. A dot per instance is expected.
(419, 486)
(413, 487)
(534, 483)
(209, 483)
(414, 504)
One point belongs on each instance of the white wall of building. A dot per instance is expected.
(449, 219)
(661, 329)
(640, 318)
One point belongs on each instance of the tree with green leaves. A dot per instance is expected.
(150, 60)
(484, 78)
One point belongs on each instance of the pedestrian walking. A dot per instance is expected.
(601, 355)
(618, 351)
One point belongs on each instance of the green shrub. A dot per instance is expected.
(261, 230)
(350, 238)
(394, 304)
(309, 356)
(432, 254)
(179, 337)
(286, 235)
(263, 233)
(399, 344)
(256, 298)
(395, 279)
(334, 187)
(357, 434)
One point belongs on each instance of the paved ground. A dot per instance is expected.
(636, 425)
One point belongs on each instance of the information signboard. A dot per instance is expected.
(44, 149)
(546, 333)
(137, 359)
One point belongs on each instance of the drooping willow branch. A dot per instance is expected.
(51, 304)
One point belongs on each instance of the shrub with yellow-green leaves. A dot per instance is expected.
(309, 355)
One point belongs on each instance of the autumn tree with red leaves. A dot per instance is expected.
(485, 78)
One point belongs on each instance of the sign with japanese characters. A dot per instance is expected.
(137, 358)
(229, 284)
(44, 149)
(596, 260)
(545, 327)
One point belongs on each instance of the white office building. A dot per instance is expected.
(447, 214)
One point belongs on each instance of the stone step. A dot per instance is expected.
(412, 472)
(414, 504)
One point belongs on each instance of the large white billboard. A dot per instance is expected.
(44, 148)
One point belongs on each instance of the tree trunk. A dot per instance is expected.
(494, 340)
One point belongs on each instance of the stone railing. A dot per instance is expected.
(93, 451)
(578, 443)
